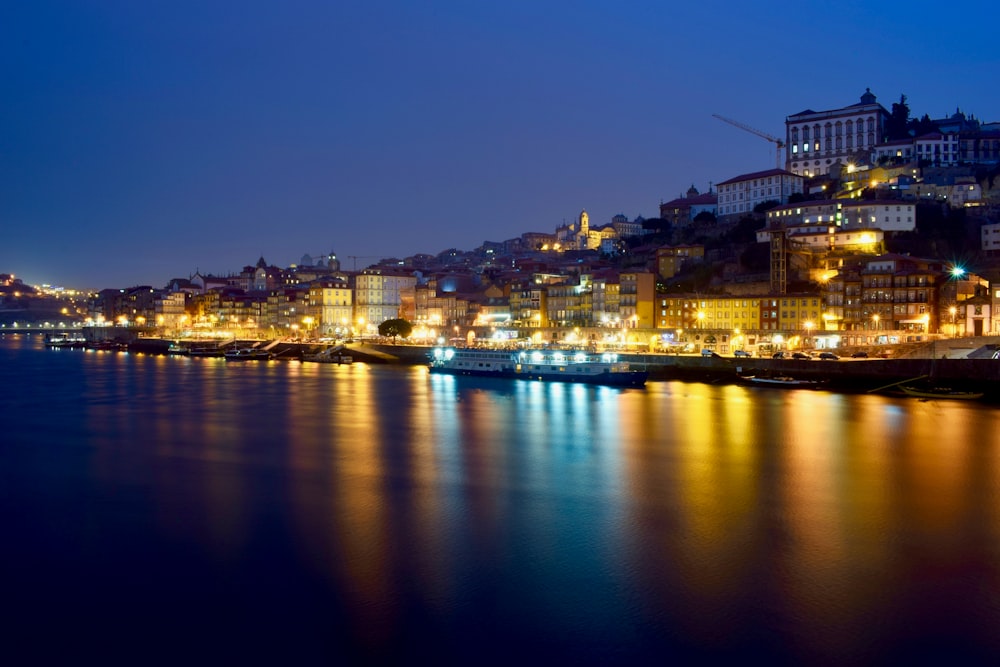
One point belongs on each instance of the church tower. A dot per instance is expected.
(583, 230)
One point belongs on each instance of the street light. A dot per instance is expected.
(875, 319)
(701, 318)
(954, 327)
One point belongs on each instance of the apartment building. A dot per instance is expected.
(885, 293)
(378, 296)
(331, 307)
(529, 304)
(739, 195)
(637, 293)
(990, 236)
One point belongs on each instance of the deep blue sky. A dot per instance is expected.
(140, 141)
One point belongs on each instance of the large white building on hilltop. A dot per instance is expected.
(817, 140)
(738, 196)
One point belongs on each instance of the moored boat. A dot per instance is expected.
(65, 340)
(535, 364)
(211, 351)
(781, 381)
(247, 354)
(330, 355)
(941, 392)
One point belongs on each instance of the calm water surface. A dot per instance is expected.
(161, 509)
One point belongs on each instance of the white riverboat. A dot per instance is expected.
(538, 364)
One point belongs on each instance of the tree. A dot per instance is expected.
(923, 126)
(657, 225)
(766, 206)
(395, 327)
(897, 126)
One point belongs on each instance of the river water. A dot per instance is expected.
(166, 509)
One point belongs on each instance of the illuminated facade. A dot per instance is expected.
(378, 296)
(570, 304)
(818, 140)
(885, 293)
(331, 306)
(529, 305)
(637, 294)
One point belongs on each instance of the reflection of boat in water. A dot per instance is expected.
(551, 365)
(940, 392)
(107, 346)
(781, 381)
(247, 354)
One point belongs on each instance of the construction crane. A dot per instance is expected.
(778, 143)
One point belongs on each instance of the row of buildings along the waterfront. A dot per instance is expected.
(860, 298)
(827, 223)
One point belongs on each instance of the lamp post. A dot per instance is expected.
(954, 327)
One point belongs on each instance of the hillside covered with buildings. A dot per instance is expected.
(873, 224)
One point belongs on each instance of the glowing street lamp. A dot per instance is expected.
(701, 318)
(875, 319)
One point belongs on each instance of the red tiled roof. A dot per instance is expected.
(757, 174)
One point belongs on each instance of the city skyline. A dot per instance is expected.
(143, 143)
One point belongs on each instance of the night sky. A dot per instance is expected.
(144, 140)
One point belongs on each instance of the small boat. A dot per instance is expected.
(537, 364)
(65, 340)
(781, 381)
(941, 392)
(330, 355)
(211, 351)
(247, 354)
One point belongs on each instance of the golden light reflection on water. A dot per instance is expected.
(807, 494)
(698, 504)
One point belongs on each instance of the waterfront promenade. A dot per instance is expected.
(964, 363)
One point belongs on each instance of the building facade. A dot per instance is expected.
(738, 196)
(378, 296)
(817, 140)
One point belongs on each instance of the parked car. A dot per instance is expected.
(778, 355)
(709, 353)
(800, 355)
(742, 353)
(828, 355)
(859, 355)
